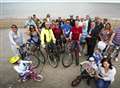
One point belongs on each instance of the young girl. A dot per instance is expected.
(21, 67)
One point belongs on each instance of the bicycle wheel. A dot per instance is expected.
(38, 78)
(76, 81)
(53, 61)
(114, 54)
(41, 56)
(67, 59)
(62, 49)
(35, 61)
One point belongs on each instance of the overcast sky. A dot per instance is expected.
(64, 9)
(60, 0)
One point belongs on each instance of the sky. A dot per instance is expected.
(60, 0)
(63, 9)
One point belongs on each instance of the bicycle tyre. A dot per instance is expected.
(76, 81)
(41, 56)
(35, 61)
(53, 61)
(67, 60)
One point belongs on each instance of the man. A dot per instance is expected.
(29, 22)
(48, 18)
(66, 28)
(75, 35)
(99, 26)
(72, 21)
(37, 21)
(115, 39)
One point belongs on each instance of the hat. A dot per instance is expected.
(91, 59)
(101, 45)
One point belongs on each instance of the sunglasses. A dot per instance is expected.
(13, 27)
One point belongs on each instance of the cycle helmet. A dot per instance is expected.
(14, 59)
(91, 59)
(101, 45)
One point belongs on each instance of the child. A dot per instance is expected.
(92, 63)
(97, 56)
(21, 67)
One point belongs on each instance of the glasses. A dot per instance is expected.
(13, 27)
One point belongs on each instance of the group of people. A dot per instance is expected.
(86, 31)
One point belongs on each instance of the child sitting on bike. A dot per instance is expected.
(93, 63)
(97, 56)
(22, 67)
(34, 36)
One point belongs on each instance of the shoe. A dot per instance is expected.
(79, 54)
(116, 59)
(24, 80)
(19, 80)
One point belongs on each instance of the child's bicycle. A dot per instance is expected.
(31, 74)
(86, 72)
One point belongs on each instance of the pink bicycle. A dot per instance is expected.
(31, 74)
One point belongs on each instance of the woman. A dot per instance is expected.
(105, 74)
(16, 39)
(34, 36)
(106, 33)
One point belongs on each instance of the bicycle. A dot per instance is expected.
(60, 44)
(29, 51)
(111, 51)
(86, 72)
(70, 53)
(52, 54)
(31, 74)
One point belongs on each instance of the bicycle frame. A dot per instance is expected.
(32, 74)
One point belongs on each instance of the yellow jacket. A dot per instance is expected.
(49, 36)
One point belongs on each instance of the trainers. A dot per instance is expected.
(116, 59)
(79, 54)
(24, 80)
(19, 80)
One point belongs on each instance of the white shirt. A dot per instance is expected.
(22, 67)
(16, 39)
(109, 76)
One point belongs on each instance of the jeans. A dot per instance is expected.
(100, 83)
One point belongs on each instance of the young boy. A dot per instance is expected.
(97, 56)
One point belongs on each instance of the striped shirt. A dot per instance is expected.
(116, 39)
